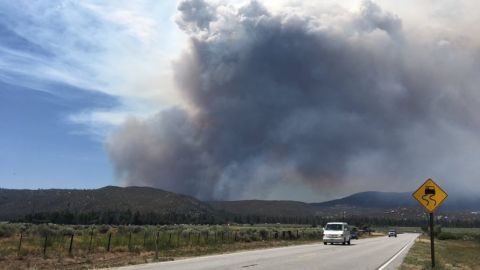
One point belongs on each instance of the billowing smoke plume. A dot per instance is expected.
(307, 103)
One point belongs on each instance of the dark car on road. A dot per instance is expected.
(353, 234)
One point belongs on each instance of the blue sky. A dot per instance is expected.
(40, 148)
(69, 77)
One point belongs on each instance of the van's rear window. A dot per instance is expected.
(333, 227)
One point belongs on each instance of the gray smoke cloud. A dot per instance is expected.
(298, 105)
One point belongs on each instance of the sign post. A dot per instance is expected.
(430, 195)
(432, 243)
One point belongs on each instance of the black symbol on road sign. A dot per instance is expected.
(429, 192)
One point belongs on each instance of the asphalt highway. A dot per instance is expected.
(380, 253)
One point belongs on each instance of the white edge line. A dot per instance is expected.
(396, 255)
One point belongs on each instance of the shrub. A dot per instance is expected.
(23, 227)
(449, 236)
(120, 249)
(476, 237)
(67, 231)
(254, 237)
(7, 230)
(137, 229)
(77, 227)
(246, 238)
(437, 230)
(263, 234)
(186, 233)
(44, 229)
(103, 229)
(137, 249)
(124, 229)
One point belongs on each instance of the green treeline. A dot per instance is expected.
(151, 218)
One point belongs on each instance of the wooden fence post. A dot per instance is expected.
(130, 242)
(71, 245)
(90, 242)
(109, 240)
(144, 239)
(156, 246)
(45, 245)
(20, 243)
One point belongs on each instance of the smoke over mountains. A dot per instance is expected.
(295, 102)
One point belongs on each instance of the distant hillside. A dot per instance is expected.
(19, 203)
(144, 205)
(265, 208)
(388, 200)
(373, 199)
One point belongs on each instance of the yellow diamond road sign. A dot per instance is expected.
(430, 195)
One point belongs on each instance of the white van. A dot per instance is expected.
(336, 232)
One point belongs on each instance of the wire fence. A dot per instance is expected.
(44, 240)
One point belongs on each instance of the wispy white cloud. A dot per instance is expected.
(131, 17)
(121, 48)
(101, 123)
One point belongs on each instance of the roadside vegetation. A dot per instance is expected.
(50, 246)
(455, 248)
(384, 230)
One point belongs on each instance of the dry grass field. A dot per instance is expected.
(27, 246)
(459, 249)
